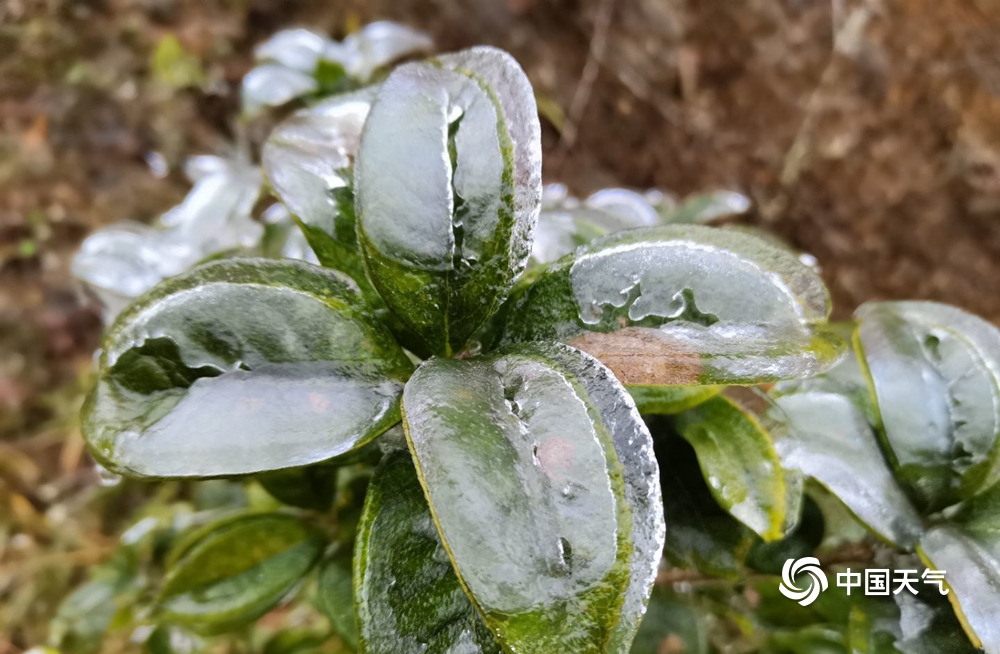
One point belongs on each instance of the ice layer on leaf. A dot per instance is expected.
(935, 373)
(447, 183)
(682, 305)
(541, 477)
(291, 63)
(292, 354)
(124, 260)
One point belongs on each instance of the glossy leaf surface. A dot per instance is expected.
(740, 464)
(935, 372)
(310, 487)
(701, 535)
(682, 305)
(408, 597)
(123, 260)
(668, 400)
(566, 222)
(831, 441)
(308, 160)
(238, 571)
(242, 366)
(448, 181)
(543, 484)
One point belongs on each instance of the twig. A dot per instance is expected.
(581, 96)
(846, 34)
(859, 554)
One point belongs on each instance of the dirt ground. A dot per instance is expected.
(866, 132)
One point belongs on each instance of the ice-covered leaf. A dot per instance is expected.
(308, 160)
(448, 179)
(124, 260)
(831, 441)
(407, 595)
(927, 625)
(309, 155)
(935, 373)
(272, 85)
(566, 223)
(740, 464)
(376, 45)
(282, 236)
(846, 379)
(237, 570)
(682, 305)
(297, 62)
(542, 480)
(973, 576)
(299, 365)
(297, 48)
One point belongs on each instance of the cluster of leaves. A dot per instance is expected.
(124, 260)
(477, 441)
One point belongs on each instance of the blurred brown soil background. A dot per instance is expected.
(866, 132)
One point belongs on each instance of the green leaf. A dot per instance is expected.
(831, 441)
(242, 366)
(106, 600)
(542, 481)
(671, 625)
(308, 160)
(336, 597)
(171, 639)
(682, 305)
(973, 576)
(237, 572)
(407, 595)
(740, 464)
(935, 373)
(448, 184)
(668, 400)
(309, 487)
(83, 618)
(295, 641)
(702, 535)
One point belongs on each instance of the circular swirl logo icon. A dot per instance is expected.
(817, 580)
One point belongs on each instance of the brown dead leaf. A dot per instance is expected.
(643, 356)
